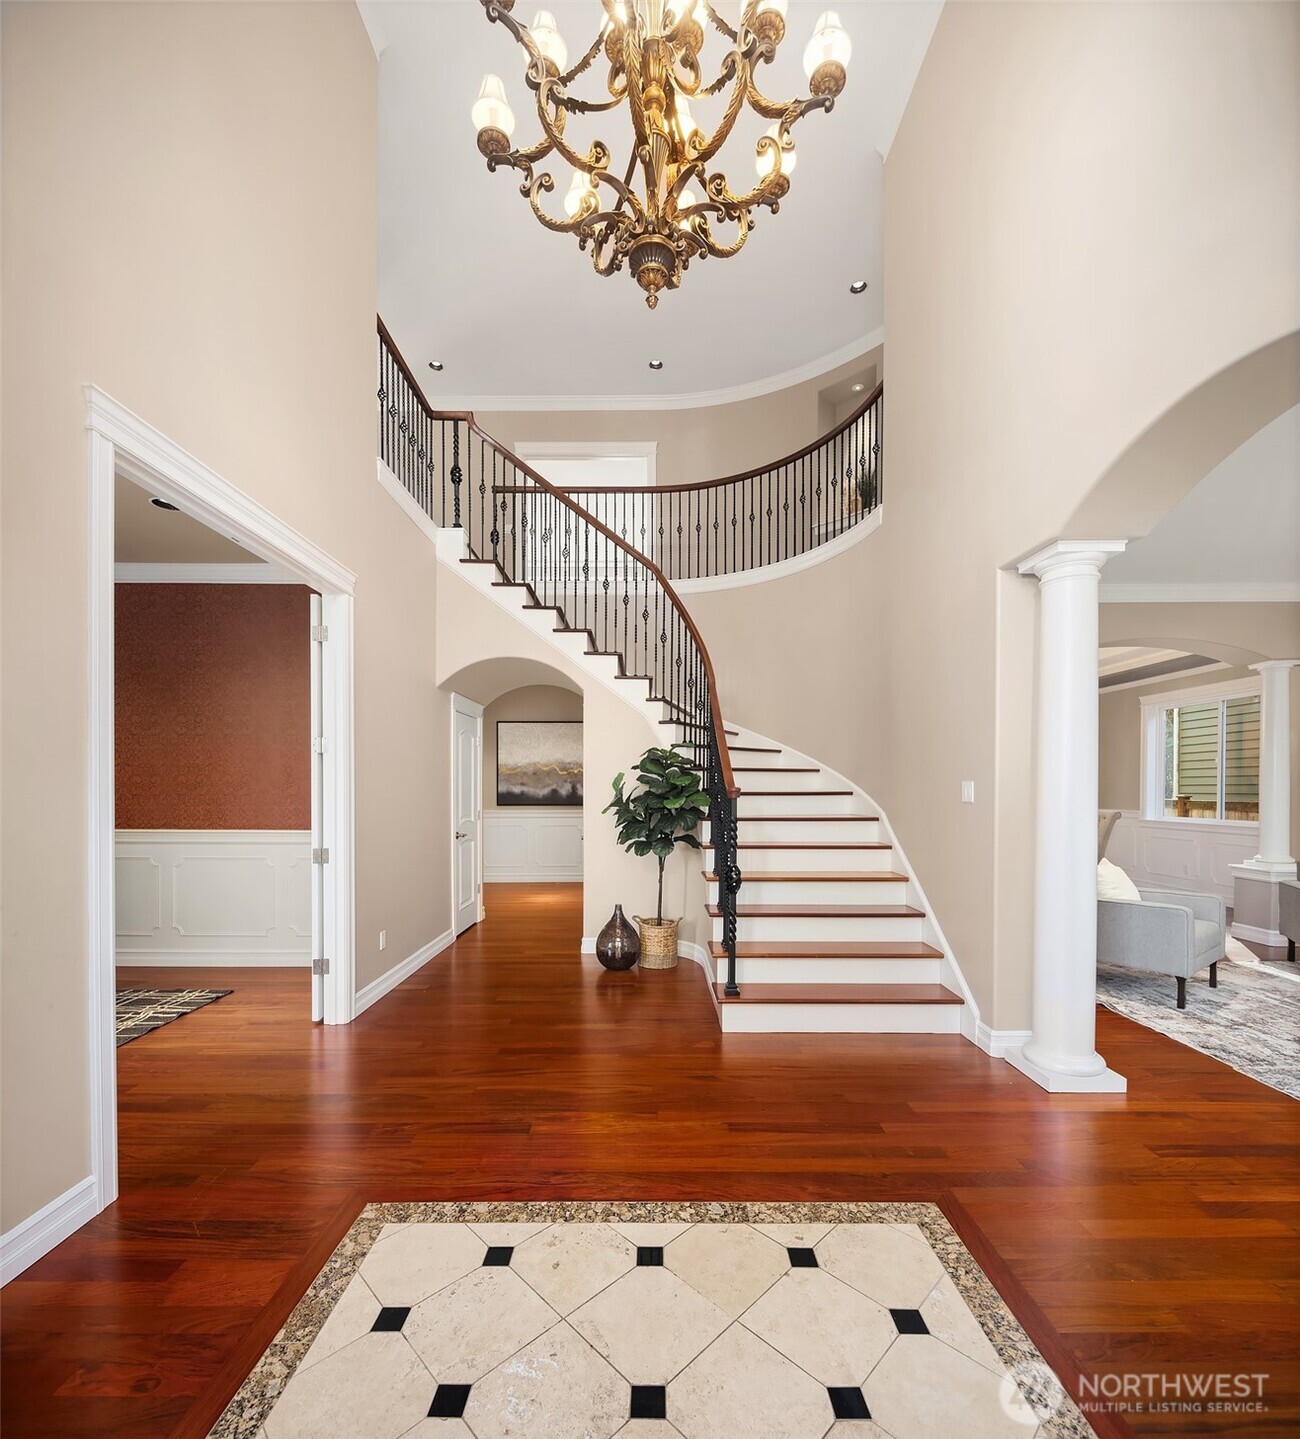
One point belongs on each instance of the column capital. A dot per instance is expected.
(1274, 665)
(1061, 557)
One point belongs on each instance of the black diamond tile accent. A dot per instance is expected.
(449, 1401)
(909, 1321)
(498, 1256)
(848, 1403)
(802, 1259)
(390, 1319)
(649, 1254)
(649, 1401)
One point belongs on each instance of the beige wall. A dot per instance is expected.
(707, 443)
(189, 222)
(528, 702)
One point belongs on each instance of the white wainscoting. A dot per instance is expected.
(1190, 855)
(541, 845)
(216, 897)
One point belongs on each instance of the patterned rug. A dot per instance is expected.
(659, 1321)
(1251, 1022)
(141, 1010)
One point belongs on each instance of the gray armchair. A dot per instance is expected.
(1288, 904)
(1168, 933)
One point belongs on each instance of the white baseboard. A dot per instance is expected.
(31, 1240)
(214, 959)
(997, 1041)
(1273, 938)
(389, 981)
(531, 876)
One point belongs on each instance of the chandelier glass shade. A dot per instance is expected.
(669, 205)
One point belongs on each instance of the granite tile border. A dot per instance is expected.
(248, 1410)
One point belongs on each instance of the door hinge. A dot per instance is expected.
(320, 966)
(320, 633)
(318, 745)
(320, 856)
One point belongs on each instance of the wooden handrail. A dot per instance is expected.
(754, 474)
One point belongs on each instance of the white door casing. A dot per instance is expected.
(466, 811)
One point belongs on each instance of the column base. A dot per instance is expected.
(1055, 1081)
(1256, 913)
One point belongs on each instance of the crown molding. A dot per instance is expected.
(693, 400)
(1247, 592)
(127, 572)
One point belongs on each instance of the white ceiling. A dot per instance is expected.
(1241, 524)
(469, 277)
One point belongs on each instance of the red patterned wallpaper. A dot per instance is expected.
(213, 692)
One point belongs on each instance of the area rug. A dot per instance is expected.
(1251, 1021)
(677, 1321)
(140, 1011)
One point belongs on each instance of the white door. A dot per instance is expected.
(466, 808)
(318, 851)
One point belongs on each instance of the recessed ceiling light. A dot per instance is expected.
(857, 287)
(656, 364)
(163, 504)
(435, 365)
(858, 388)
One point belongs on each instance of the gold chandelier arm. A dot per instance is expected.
(585, 64)
(769, 191)
(715, 20)
(724, 252)
(532, 192)
(787, 110)
(718, 139)
(599, 155)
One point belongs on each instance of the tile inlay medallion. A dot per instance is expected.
(700, 1320)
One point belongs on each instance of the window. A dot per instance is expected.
(1202, 755)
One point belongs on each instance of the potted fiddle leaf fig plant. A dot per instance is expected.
(663, 810)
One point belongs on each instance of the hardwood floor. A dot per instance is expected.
(1149, 1232)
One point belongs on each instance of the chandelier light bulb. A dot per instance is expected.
(685, 201)
(491, 111)
(686, 126)
(766, 160)
(826, 60)
(579, 188)
(549, 40)
(778, 7)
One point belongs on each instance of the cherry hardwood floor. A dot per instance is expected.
(1149, 1232)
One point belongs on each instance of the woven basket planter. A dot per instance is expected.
(658, 943)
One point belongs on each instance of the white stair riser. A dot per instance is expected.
(821, 861)
(762, 806)
(840, 1018)
(763, 831)
(755, 890)
(831, 971)
(788, 779)
(796, 927)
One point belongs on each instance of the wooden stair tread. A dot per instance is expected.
(811, 818)
(774, 769)
(822, 911)
(754, 749)
(797, 876)
(828, 949)
(797, 793)
(838, 994)
(691, 724)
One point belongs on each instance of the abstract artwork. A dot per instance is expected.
(539, 762)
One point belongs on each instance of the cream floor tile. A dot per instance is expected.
(883, 1261)
(648, 1429)
(796, 1236)
(571, 1263)
(922, 1389)
(440, 1429)
(729, 1264)
(475, 1323)
(351, 1317)
(419, 1260)
(376, 1388)
(557, 1387)
(947, 1318)
(741, 1388)
(506, 1233)
(856, 1429)
(824, 1325)
(649, 1324)
(659, 1234)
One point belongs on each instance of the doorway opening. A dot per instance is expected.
(233, 635)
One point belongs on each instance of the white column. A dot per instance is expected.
(1061, 1052)
(1275, 769)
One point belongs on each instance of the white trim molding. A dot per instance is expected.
(694, 400)
(1228, 592)
(33, 1239)
(997, 1042)
(127, 573)
(760, 575)
(390, 979)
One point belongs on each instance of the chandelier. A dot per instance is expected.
(659, 225)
